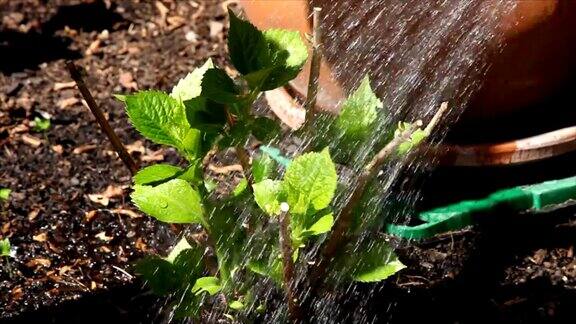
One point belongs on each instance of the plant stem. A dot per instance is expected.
(244, 158)
(339, 235)
(288, 267)
(99, 115)
(315, 63)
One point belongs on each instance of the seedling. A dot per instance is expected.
(4, 194)
(41, 124)
(266, 228)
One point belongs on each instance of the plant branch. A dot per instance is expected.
(310, 104)
(244, 158)
(339, 235)
(288, 265)
(99, 115)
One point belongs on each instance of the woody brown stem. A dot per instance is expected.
(338, 237)
(288, 268)
(101, 119)
(315, 63)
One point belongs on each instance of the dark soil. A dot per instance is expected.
(74, 251)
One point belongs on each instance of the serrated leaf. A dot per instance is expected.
(5, 194)
(266, 195)
(288, 53)
(191, 85)
(205, 114)
(359, 113)
(371, 260)
(246, 45)
(156, 173)
(310, 182)
(177, 249)
(159, 274)
(323, 225)
(263, 167)
(236, 305)
(5, 247)
(265, 129)
(174, 201)
(211, 285)
(219, 87)
(159, 118)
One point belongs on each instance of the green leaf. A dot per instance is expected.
(177, 249)
(273, 270)
(205, 114)
(266, 194)
(41, 124)
(120, 97)
(288, 53)
(310, 182)
(191, 86)
(240, 188)
(371, 260)
(265, 129)
(267, 59)
(219, 87)
(174, 201)
(415, 139)
(380, 272)
(359, 113)
(5, 194)
(211, 285)
(5, 247)
(323, 225)
(159, 118)
(159, 274)
(247, 47)
(156, 173)
(236, 305)
(263, 167)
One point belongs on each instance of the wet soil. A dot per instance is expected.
(76, 234)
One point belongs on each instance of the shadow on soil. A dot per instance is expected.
(21, 51)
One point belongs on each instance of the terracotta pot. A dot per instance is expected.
(539, 56)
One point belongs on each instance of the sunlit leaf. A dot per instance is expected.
(191, 86)
(310, 182)
(266, 194)
(174, 201)
(211, 285)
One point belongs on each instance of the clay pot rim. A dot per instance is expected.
(523, 150)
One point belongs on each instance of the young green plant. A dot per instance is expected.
(260, 231)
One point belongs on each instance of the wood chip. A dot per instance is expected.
(127, 212)
(33, 214)
(225, 169)
(102, 236)
(99, 199)
(216, 28)
(140, 245)
(58, 149)
(93, 48)
(136, 147)
(31, 140)
(64, 269)
(89, 215)
(67, 102)
(39, 262)
(64, 85)
(93, 285)
(127, 81)
(153, 156)
(40, 237)
(84, 148)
